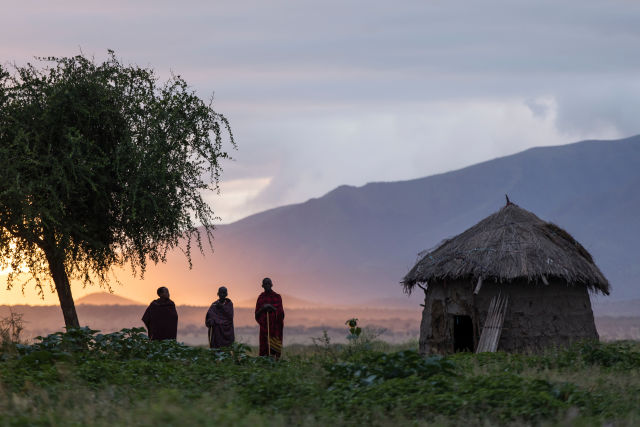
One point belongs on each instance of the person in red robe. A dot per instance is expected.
(270, 316)
(219, 320)
(161, 317)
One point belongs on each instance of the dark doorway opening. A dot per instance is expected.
(462, 333)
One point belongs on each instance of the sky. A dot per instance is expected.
(321, 94)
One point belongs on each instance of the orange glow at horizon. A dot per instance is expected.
(185, 285)
(175, 274)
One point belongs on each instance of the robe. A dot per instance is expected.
(273, 321)
(219, 320)
(161, 320)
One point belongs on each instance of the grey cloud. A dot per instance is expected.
(600, 104)
(334, 92)
(537, 107)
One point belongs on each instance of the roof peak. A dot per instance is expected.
(506, 196)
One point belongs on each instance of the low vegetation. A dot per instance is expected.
(84, 377)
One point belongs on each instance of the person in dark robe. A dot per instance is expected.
(161, 317)
(270, 316)
(219, 320)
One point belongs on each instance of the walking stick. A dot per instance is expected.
(268, 336)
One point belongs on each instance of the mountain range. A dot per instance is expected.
(354, 244)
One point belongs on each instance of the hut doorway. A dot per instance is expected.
(462, 333)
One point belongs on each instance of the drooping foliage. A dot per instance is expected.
(101, 164)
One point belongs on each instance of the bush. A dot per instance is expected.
(84, 343)
(10, 329)
(372, 368)
(619, 355)
(84, 377)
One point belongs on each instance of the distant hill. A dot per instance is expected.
(629, 308)
(355, 244)
(287, 301)
(105, 298)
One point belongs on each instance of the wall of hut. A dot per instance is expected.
(538, 316)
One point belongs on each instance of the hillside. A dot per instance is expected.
(354, 244)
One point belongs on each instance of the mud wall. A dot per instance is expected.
(442, 302)
(541, 316)
(538, 316)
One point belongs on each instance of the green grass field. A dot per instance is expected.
(82, 377)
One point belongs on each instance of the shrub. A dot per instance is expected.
(376, 367)
(10, 329)
(84, 343)
(617, 355)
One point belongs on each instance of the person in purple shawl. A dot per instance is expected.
(219, 320)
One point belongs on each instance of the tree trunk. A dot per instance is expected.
(63, 289)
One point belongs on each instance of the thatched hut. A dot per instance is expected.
(512, 282)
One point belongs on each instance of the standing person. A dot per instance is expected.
(270, 317)
(161, 317)
(219, 320)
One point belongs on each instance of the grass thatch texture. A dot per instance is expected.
(513, 243)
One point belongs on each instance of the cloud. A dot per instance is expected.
(404, 142)
(327, 93)
(608, 103)
(231, 203)
(541, 106)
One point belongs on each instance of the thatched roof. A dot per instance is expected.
(511, 244)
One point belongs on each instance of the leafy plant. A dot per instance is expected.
(237, 352)
(360, 339)
(10, 329)
(84, 377)
(376, 367)
(354, 329)
(616, 355)
(323, 344)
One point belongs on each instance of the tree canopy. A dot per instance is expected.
(101, 164)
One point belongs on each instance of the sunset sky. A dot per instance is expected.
(321, 94)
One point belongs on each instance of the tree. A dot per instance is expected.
(100, 166)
